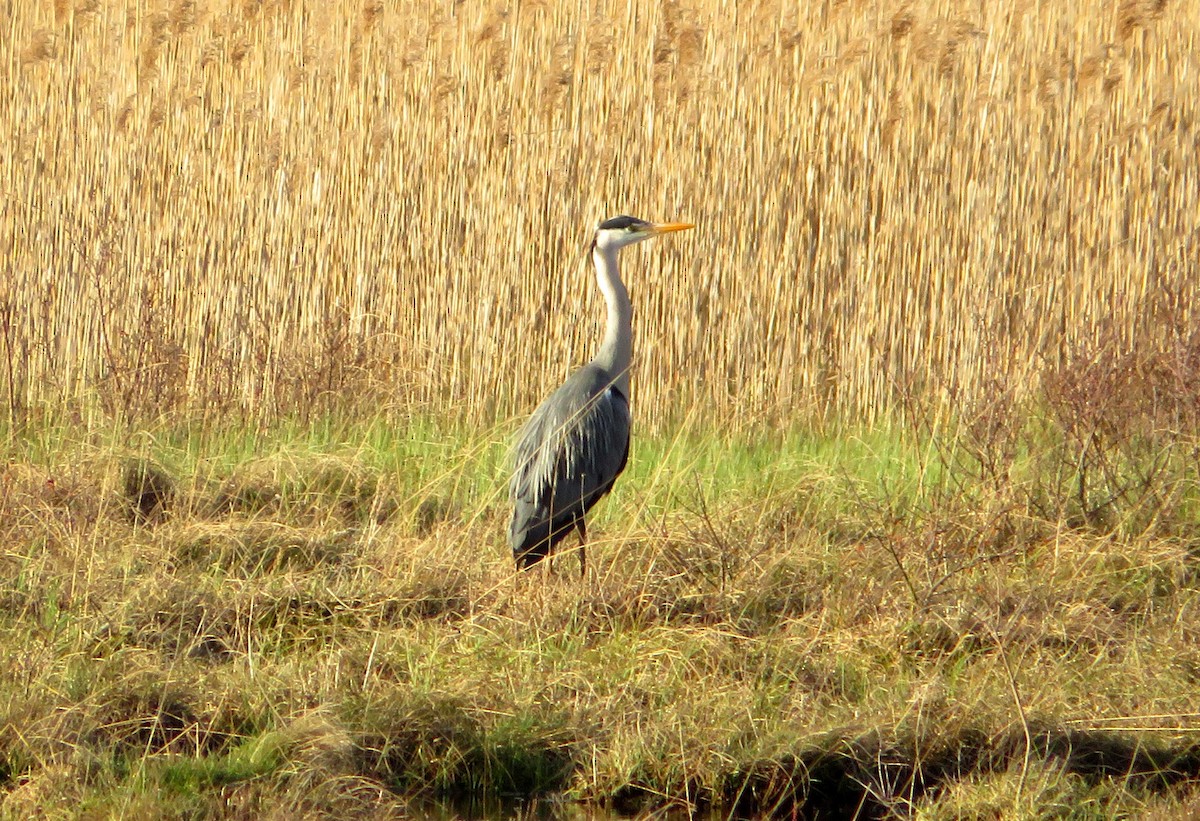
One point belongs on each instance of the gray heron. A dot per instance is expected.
(570, 452)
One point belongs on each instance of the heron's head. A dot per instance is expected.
(614, 234)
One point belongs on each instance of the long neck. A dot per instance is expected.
(616, 350)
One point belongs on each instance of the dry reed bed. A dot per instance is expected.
(254, 205)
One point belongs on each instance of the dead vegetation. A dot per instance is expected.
(902, 626)
(253, 211)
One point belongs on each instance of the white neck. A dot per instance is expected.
(616, 351)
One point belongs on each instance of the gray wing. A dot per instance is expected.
(567, 456)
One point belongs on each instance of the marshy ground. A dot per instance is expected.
(1000, 622)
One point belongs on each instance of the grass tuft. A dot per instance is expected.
(149, 490)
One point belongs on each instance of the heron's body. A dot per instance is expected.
(579, 440)
(572, 449)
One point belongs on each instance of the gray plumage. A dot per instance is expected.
(572, 449)
(567, 457)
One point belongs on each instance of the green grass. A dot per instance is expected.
(326, 616)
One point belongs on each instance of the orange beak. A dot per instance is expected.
(668, 227)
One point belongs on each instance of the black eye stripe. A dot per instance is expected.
(621, 223)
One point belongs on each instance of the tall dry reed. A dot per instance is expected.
(263, 206)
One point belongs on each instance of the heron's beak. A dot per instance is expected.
(668, 227)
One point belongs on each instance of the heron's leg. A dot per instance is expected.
(531, 561)
(582, 528)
